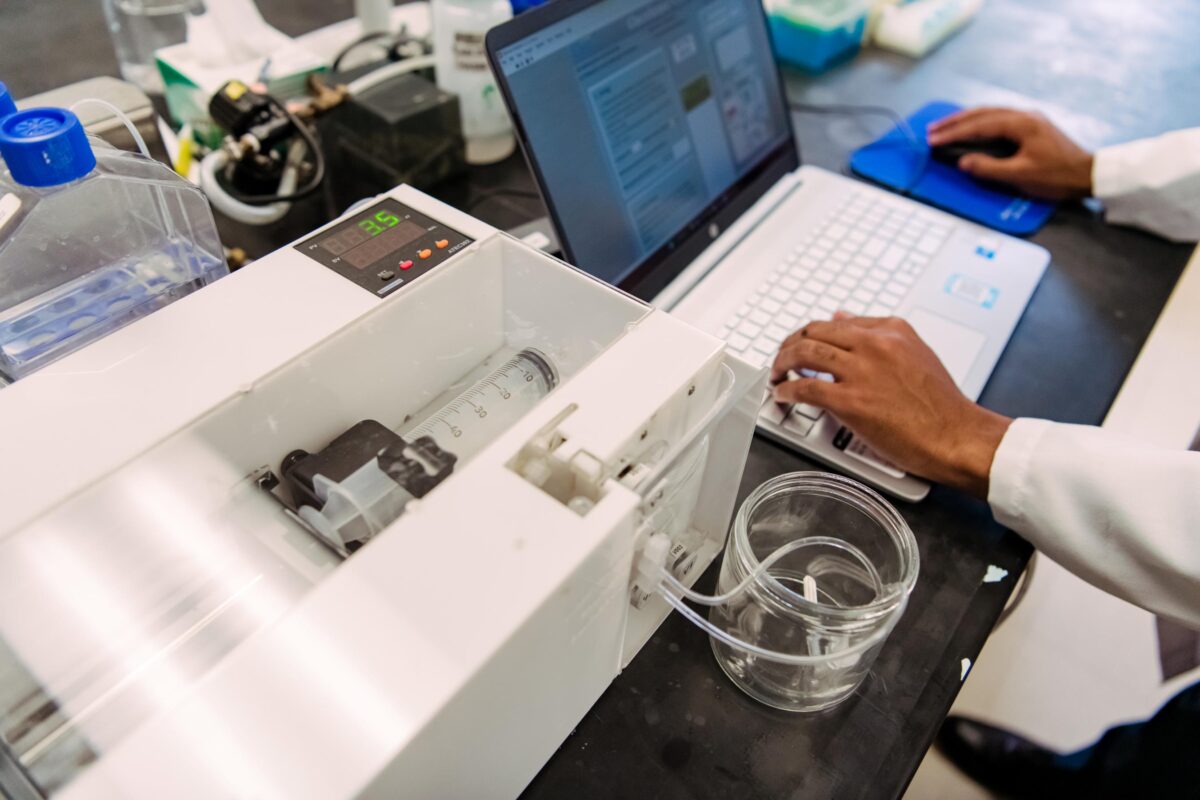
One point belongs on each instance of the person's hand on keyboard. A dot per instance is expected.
(1048, 164)
(890, 388)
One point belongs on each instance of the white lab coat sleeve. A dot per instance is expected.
(1122, 515)
(1153, 184)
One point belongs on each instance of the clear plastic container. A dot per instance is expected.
(94, 238)
(816, 34)
(141, 27)
(826, 607)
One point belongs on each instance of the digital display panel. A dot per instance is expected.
(384, 247)
(341, 242)
(367, 253)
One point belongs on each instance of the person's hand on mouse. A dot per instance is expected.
(1047, 165)
(892, 391)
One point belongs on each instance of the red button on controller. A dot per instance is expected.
(406, 265)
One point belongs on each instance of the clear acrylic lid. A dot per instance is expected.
(117, 601)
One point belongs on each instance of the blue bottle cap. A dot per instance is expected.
(7, 104)
(45, 147)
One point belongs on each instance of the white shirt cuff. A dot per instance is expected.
(1153, 184)
(1011, 469)
(1112, 175)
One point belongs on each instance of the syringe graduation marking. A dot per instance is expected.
(477, 397)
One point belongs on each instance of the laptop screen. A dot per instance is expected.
(643, 119)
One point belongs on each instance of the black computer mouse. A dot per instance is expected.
(953, 152)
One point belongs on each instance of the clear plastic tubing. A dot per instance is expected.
(675, 593)
(763, 571)
(471, 421)
(723, 636)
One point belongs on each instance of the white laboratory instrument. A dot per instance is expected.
(358, 520)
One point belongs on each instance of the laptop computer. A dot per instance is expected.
(660, 137)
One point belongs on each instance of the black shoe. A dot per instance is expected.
(1008, 764)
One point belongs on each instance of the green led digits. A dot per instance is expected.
(381, 222)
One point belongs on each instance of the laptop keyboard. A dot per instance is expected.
(864, 258)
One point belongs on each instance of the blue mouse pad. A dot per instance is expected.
(898, 163)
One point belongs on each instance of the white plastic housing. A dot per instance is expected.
(184, 637)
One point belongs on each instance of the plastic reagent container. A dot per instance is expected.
(816, 34)
(91, 238)
(459, 31)
(842, 565)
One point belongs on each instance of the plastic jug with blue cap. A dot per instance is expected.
(91, 238)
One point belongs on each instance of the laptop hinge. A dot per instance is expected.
(715, 253)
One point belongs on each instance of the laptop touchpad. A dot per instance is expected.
(956, 345)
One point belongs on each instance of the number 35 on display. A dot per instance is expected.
(379, 223)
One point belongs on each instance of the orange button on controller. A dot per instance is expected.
(425, 253)
(442, 244)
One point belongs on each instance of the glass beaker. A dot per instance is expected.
(824, 608)
(139, 28)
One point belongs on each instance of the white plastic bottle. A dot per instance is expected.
(375, 16)
(459, 28)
